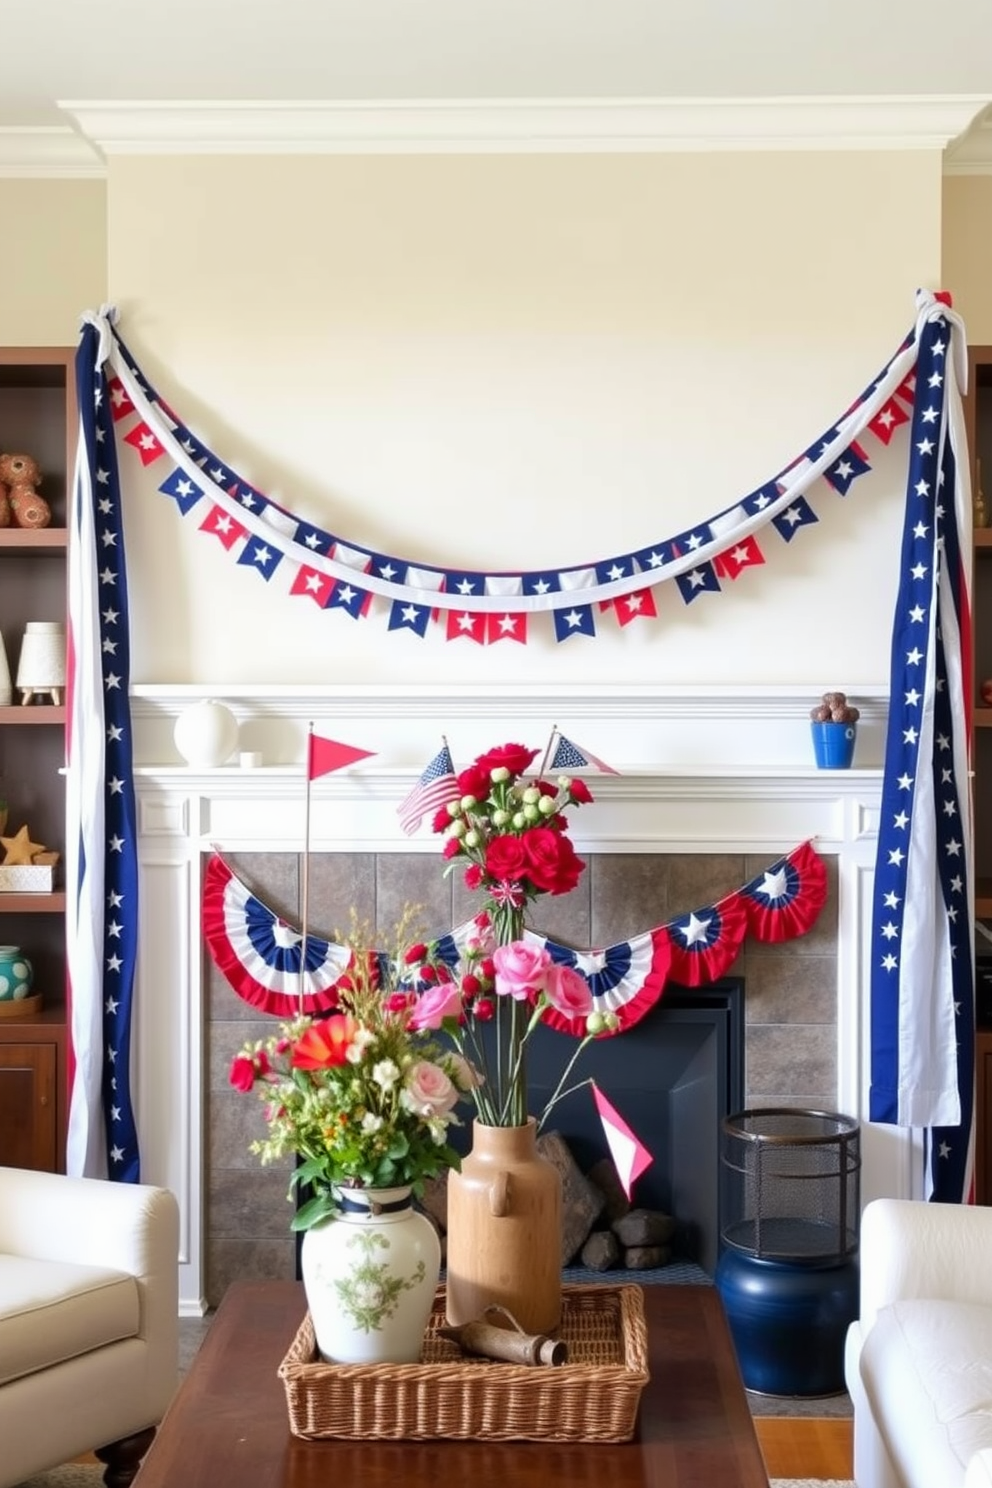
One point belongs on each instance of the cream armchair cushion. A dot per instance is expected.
(918, 1361)
(89, 1350)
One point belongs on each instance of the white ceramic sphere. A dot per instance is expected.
(206, 734)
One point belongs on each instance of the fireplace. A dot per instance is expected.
(673, 1077)
(663, 837)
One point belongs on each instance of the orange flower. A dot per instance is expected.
(325, 1043)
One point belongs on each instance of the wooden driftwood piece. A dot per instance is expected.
(512, 1344)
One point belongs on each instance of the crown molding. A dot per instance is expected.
(52, 151)
(525, 126)
(971, 155)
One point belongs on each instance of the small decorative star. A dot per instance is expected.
(20, 849)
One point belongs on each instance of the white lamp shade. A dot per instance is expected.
(42, 660)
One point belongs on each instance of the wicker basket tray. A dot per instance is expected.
(449, 1394)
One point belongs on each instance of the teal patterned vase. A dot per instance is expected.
(16, 974)
(370, 1275)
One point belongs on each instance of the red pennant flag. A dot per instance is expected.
(228, 529)
(308, 581)
(464, 624)
(120, 402)
(887, 420)
(630, 1156)
(637, 606)
(143, 440)
(326, 755)
(506, 628)
(745, 554)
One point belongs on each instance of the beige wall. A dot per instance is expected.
(968, 252)
(519, 361)
(53, 259)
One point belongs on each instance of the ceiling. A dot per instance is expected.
(332, 51)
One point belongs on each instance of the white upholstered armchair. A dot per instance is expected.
(89, 1352)
(919, 1357)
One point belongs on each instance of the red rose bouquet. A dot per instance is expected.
(511, 834)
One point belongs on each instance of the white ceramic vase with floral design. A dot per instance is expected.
(370, 1275)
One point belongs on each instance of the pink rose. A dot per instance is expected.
(429, 1090)
(520, 969)
(443, 1000)
(567, 990)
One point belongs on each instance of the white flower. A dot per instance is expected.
(385, 1073)
(371, 1122)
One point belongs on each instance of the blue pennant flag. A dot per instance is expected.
(347, 596)
(541, 583)
(698, 581)
(797, 514)
(575, 620)
(843, 472)
(257, 554)
(390, 569)
(184, 492)
(649, 560)
(312, 538)
(404, 615)
(615, 568)
(456, 582)
(761, 499)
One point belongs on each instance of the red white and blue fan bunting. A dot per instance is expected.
(250, 944)
(260, 954)
(338, 573)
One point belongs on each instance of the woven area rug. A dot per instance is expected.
(72, 1475)
(813, 1483)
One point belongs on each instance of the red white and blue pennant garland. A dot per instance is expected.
(339, 573)
(260, 953)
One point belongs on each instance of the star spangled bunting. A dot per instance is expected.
(697, 558)
(922, 974)
(890, 417)
(312, 584)
(223, 526)
(101, 834)
(707, 941)
(437, 785)
(465, 626)
(786, 899)
(260, 954)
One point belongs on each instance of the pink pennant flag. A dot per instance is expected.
(630, 1156)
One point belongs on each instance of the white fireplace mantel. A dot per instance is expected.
(726, 771)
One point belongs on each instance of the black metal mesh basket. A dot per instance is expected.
(792, 1184)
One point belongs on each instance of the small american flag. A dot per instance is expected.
(435, 788)
(569, 756)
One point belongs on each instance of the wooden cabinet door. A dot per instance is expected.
(28, 1121)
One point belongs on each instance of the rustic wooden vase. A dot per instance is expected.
(504, 1230)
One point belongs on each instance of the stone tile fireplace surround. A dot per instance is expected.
(660, 839)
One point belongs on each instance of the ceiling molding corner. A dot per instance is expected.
(525, 126)
(971, 154)
(48, 151)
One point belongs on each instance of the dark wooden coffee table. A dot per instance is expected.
(228, 1426)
